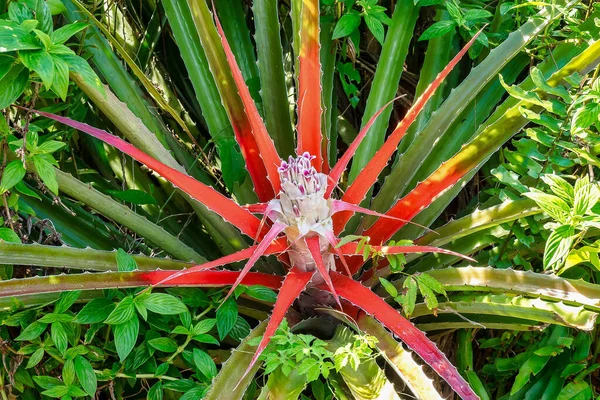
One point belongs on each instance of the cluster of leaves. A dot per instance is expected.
(467, 20)
(133, 338)
(557, 147)
(313, 358)
(572, 209)
(374, 16)
(543, 364)
(428, 286)
(31, 45)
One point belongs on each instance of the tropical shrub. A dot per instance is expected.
(223, 149)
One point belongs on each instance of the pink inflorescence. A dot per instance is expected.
(301, 174)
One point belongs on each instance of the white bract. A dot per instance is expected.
(302, 207)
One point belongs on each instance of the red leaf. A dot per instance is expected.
(415, 339)
(368, 176)
(293, 285)
(339, 205)
(315, 251)
(244, 254)
(333, 241)
(310, 136)
(225, 207)
(211, 279)
(268, 153)
(340, 166)
(261, 249)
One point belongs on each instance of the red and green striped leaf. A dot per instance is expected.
(215, 201)
(268, 153)
(242, 128)
(368, 176)
(130, 279)
(309, 109)
(372, 304)
(271, 248)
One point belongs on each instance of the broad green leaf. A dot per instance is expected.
(240, 329)
(387, 285)
(575, 391)
(162, 303)
(346, 25)
(586, 196)
(19, 12)
(124, 312)
(9, 236)
(133, 196)
(13, 174)
(205, 364)
(47, 382)
(81, 67)
(125, 336)
(64, 33)
(585, 116)
(474, 14)
(438, 29)
(540, 82)
(35, 358)
(164, 344)
(376, 27)
(427, 293)
(75, 391)
(86, 375)
(204, 326)
(195, 393)
(409, 298)
(13, 37)
(68, 372)
(432, 283)
(125, 262)
(156, 391)
(66, 300)
(56, 391)
(56, 7)
(33, 331)
(97, 310)
(554, 206)
(558, 245)
(50, 147)
(59, 336)
(226, 316)
(46, 172)
(560, 187)
(41, 62)
(12, 84)
(60, 84)
(261, 293)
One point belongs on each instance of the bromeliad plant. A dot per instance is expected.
(302, 215)
(298, 203)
